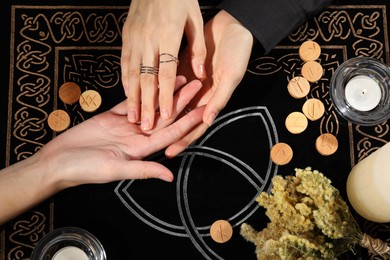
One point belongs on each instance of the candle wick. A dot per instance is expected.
(364, 92)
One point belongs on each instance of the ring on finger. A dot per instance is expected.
(148, 70)
(166, 57)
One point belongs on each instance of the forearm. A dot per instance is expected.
(23, 185)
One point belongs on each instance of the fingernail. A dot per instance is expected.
(164, 113)
(166, 178)
(201, 71)
(131, 116)
(145, 125)
(211, 118)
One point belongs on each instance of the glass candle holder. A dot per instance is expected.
(359, 90)
(69, 243)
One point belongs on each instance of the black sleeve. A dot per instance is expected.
(272, 20)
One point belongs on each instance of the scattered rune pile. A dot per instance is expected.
(313, 109)
(70, 93)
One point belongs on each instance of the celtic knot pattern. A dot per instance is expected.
(372, 139)
(26, 234)
(74, 26)
(40, 34)
(102, 71)
(33, 82)
(355, 25)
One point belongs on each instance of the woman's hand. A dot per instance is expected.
(229, 45)
(102, 149)
(107, 147)
(152, 36)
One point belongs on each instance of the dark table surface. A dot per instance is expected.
(219, 176)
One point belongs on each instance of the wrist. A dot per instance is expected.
(232, 20)
(37, 169)
(24, 185)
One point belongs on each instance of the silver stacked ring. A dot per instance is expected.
(148, 70)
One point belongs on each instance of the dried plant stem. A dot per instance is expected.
(376, 246)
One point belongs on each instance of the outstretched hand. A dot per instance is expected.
(102, 149)
(107, 147)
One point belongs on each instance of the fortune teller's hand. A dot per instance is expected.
(229, 46)
(102, 149)
(151, 37)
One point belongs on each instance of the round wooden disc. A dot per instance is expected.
(69, 93)
(90, 100)
(281, 153)
(296, 122)
(327, 144)
(298, 87)
(58, 120)
(221, 231)
(312, 71)
(313, 109)
(309, 51)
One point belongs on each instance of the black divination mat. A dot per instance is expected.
(47, 43)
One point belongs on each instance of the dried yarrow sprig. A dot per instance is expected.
(309, 220)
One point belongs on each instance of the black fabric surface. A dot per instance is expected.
(48, 43)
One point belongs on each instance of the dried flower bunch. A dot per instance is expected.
(309, 220)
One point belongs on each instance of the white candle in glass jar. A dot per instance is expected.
(368, 186)
(70, 253)
(363, 93)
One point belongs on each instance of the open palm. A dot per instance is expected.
(107, 147)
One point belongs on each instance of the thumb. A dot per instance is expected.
(218, 100)
(142, 170)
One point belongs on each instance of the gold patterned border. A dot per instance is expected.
(38, 30)
(31, 76)
(39, 37)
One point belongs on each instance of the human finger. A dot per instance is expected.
(133, 93)
(149, 84)
(181, 99)
(180, 81)
(175, 148)
(140, 170)
(196, 42)
(168, 62)
(130, 60)
(174, 132)
(125, 67)
(121, 108)
(223, 91)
